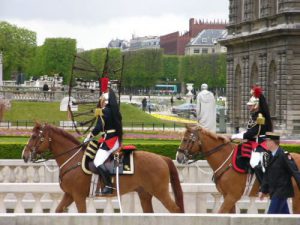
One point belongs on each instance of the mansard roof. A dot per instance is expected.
(208, 37)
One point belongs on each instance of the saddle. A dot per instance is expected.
(124, 154)
(241, 156)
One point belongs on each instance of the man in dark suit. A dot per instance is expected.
(277, 179)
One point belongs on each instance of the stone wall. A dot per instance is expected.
(263, 48)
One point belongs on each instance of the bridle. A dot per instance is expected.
(34, 155)
(194, 139)
(40, 157)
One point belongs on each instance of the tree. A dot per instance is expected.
(94, 60)
(143, 68)
(18, 47)
(58, 56)
(170, 68)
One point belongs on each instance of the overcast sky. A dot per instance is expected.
(93, 23)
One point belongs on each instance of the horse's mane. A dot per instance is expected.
(64, 134)
(215, 136)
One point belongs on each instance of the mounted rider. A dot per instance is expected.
(259, 123)
(109, 124)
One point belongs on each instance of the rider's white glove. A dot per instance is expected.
(237, 136)
(88, 138)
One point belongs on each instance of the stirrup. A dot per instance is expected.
(107, 190)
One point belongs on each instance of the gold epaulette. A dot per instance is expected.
(98, 112)
(260, 119)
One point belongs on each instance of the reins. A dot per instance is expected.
(45, 158)
(208, 153)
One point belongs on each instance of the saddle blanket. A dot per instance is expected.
(126, 160)
(242, 155)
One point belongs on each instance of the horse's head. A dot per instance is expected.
(194, 139)
(38, 143)
(190, 145)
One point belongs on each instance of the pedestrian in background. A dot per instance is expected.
(172, 100)
(144, 104)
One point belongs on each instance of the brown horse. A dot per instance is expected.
(217, 149)
(151, 177)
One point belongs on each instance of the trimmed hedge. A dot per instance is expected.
(14, 151)
(11, 151)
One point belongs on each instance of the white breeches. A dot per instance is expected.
(102, 155)
(256, 157)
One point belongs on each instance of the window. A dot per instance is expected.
(196, 51)
(204, 50)
(204, 40)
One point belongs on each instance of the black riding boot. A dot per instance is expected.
(106, 180)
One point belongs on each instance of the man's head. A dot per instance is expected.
(273, 140)
(253, 104)
(204, 87)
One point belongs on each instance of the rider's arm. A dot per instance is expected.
(99, 124)
(252, 132)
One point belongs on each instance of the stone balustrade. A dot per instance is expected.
(39, 95)
(44, 197)
(31, 187)
(12, 171)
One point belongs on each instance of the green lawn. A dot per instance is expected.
(49, 112)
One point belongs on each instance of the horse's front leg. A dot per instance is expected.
(228, 206)
(80, 203)
(64, 203)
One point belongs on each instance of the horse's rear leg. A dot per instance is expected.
(146, 201)
(64, 203)
(296, 199)
(167, 201)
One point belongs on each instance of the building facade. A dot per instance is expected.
(263, 47)
(206, 42)
(147, 42)
(175, 43)
(123, 45)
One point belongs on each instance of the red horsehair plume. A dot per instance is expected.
(256, 91)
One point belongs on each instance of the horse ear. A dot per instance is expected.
(188, 126)
(37, 124)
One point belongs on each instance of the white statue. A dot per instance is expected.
(206, 109)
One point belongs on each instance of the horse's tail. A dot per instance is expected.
(175, 182)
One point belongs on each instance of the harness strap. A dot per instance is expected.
(69, 169)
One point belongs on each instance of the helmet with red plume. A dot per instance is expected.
(260, 100)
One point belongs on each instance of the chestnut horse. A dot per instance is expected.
(218, 149)
(151, 178)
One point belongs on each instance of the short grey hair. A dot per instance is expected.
(204, 87)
